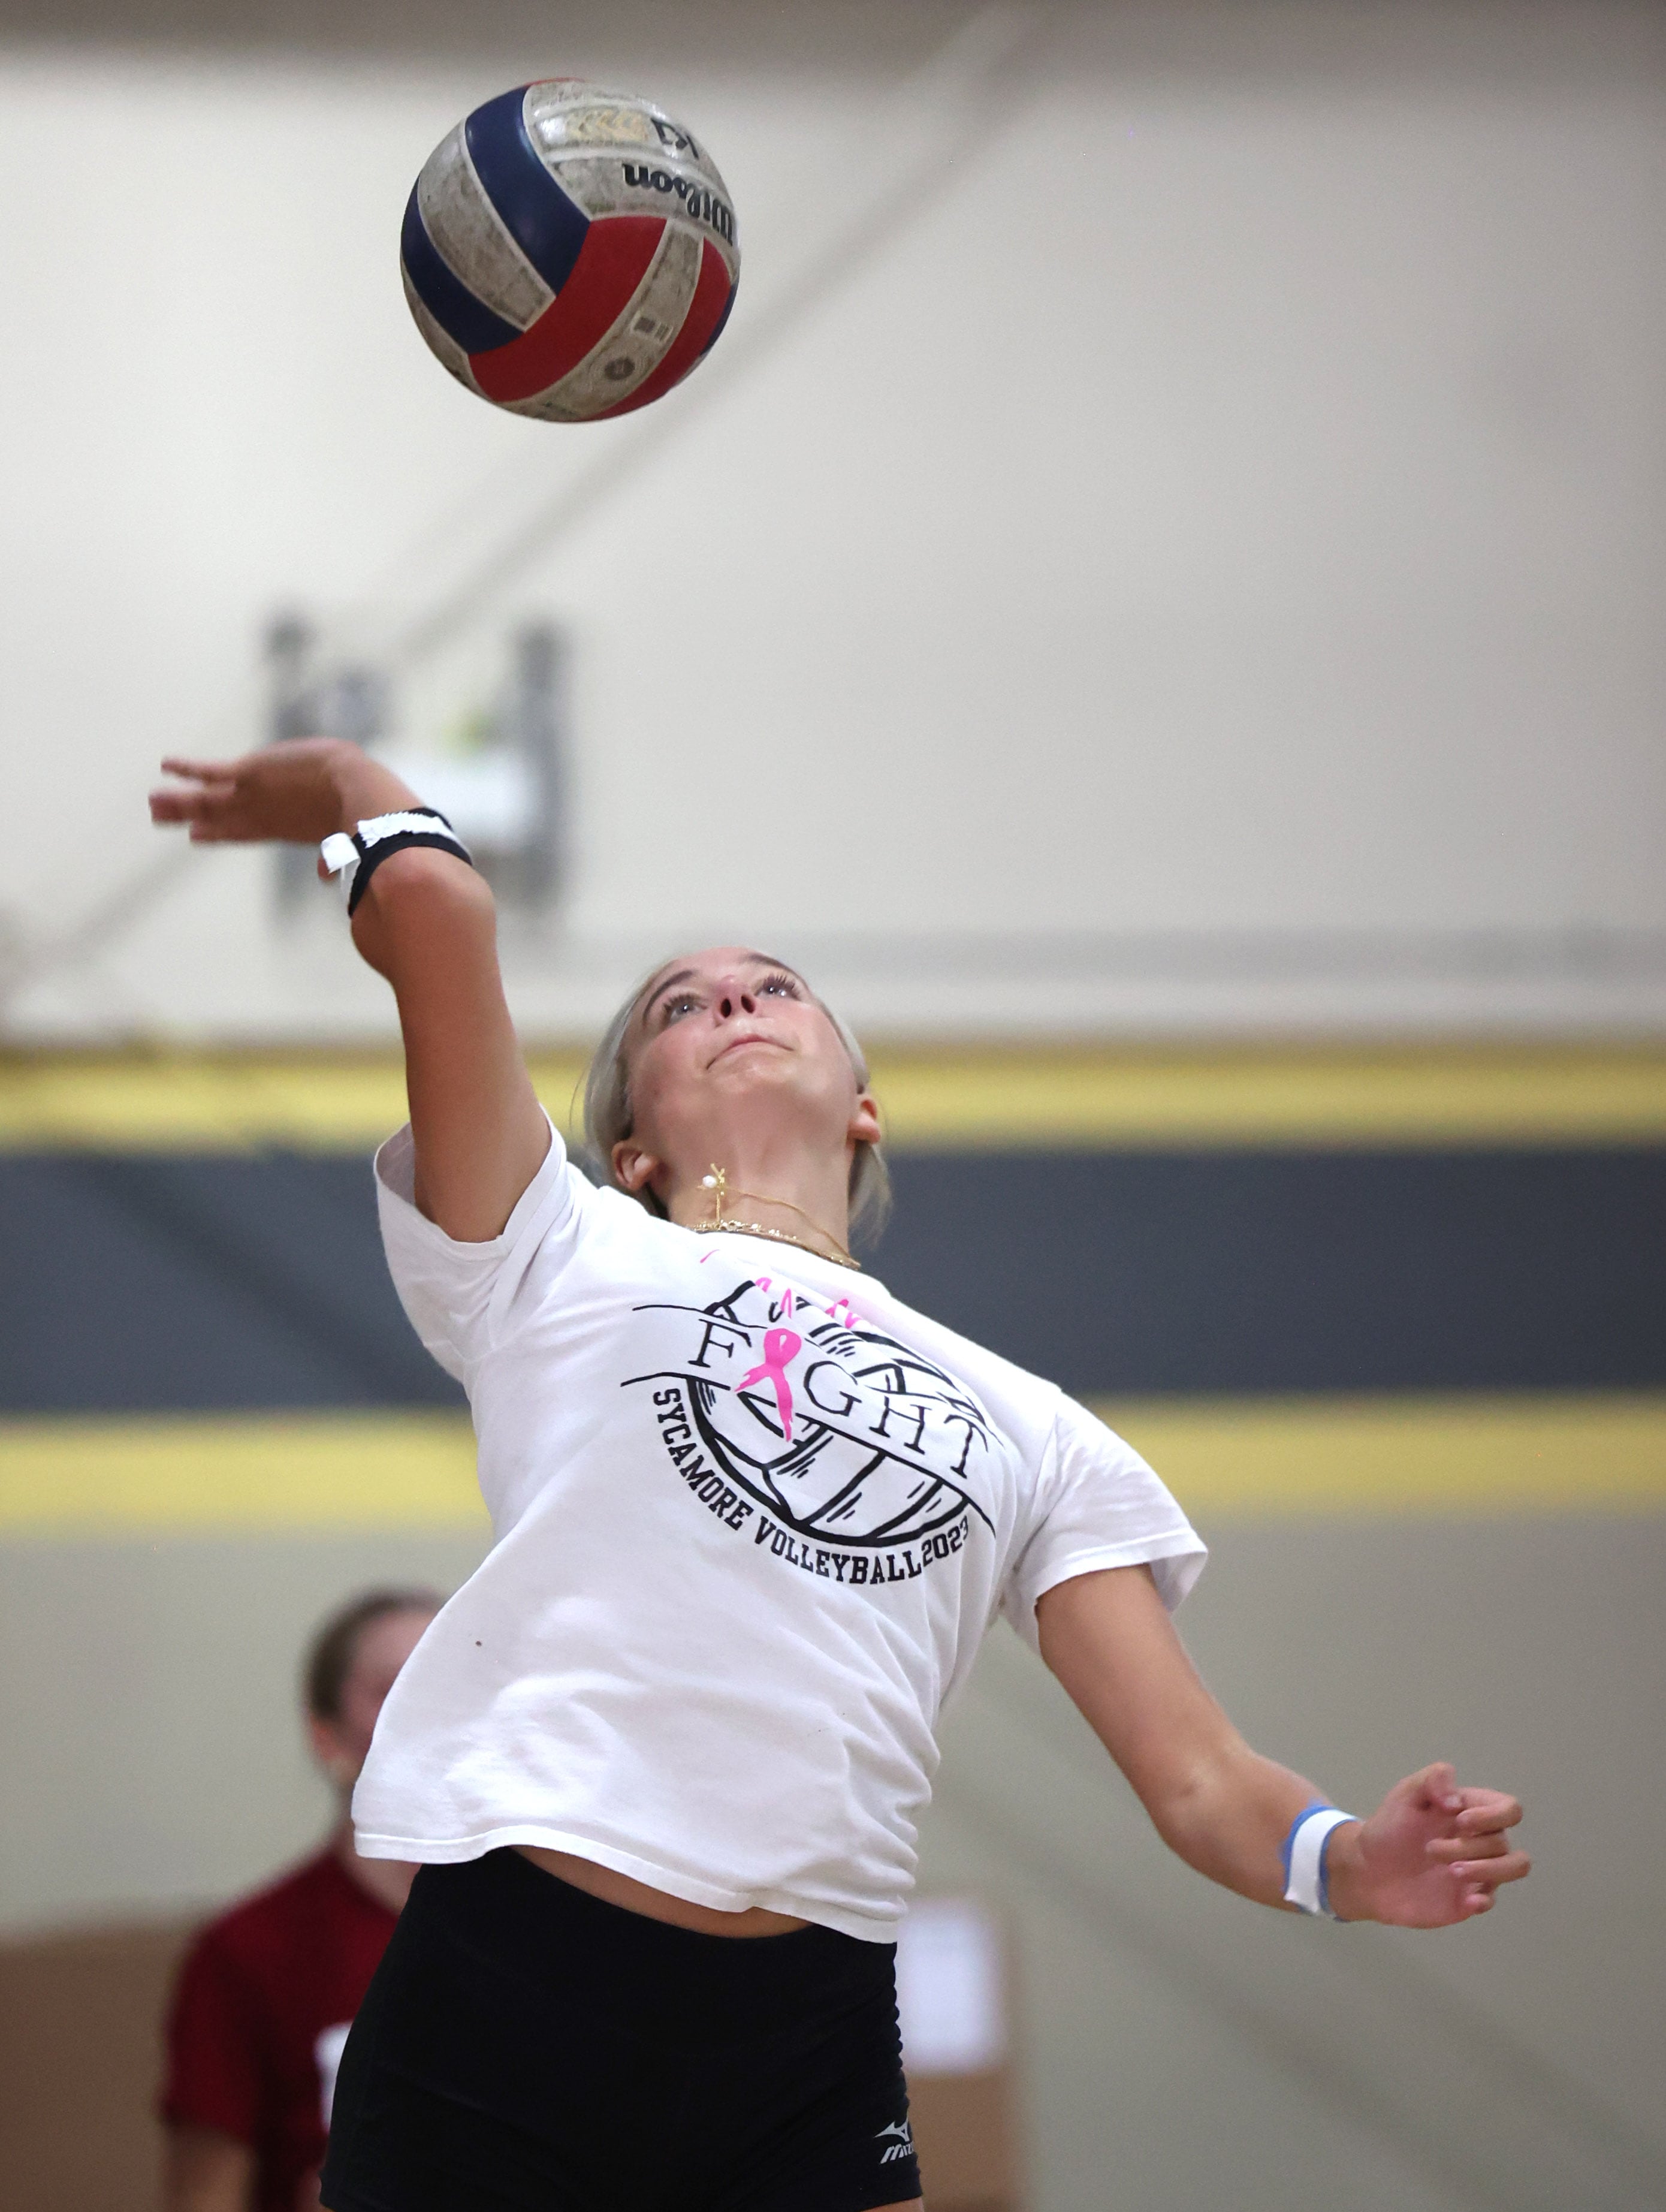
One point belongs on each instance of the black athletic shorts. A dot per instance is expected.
(526, 2047)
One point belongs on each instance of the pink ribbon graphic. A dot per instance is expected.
(779, 1346)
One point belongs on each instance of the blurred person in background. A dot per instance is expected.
(268, 1991)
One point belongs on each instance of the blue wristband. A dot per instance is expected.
(1305, 1850)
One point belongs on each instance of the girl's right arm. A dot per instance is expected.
(427, 923)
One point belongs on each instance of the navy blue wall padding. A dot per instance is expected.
(443, 294)
(1270, 1272)
(143, 1284)
(549, 228)
(151, 1283)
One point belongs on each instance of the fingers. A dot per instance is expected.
(1479, 1881)
(212, 816)
(200, 771)
(206, 781)
(1479, 1827)
(1486, 1812)
(1489, 1873)
(1436, 1786)
(185, 804)
(1479, 1812)
(175, 806)
(1452, 1848)
(1477, 1853)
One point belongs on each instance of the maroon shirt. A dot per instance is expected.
(260, 2011)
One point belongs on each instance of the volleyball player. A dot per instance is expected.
(661, 1759)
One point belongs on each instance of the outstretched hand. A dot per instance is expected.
(295, 793)
(1432, 1854)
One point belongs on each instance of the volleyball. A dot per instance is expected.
(570, 253)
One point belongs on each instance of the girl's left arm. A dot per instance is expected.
(1432, 1854)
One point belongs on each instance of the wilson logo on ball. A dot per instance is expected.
(569, 252)
(701, 202)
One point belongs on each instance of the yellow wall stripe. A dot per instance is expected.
(1430, 1456)
(255, 1475)
(1434, 1096)
(241, 1474)
(1013, 1096)
(200, 1103)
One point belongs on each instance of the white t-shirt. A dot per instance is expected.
(752, 1516)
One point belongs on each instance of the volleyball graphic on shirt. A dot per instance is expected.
(569, 252)
(838, 1431)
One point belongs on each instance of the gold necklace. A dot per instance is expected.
(718, 1184)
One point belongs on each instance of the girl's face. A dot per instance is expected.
(729, 1036)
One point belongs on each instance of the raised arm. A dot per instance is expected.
(1431, 1855)
(425, 923)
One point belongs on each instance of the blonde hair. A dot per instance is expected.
(609, 1119)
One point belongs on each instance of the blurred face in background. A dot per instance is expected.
(381, 1647)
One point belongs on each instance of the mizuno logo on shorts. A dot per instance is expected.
(903, 2145)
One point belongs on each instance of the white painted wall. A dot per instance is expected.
(1206, 570)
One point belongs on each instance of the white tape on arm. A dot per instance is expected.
(1304, 1859)
(400, 825)
(341, 856)
(347, 854)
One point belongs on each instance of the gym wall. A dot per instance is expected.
(1174, 524)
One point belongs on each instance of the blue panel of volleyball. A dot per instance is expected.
(569, 252)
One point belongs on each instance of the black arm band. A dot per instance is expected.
(355, 856)
(371, 857)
